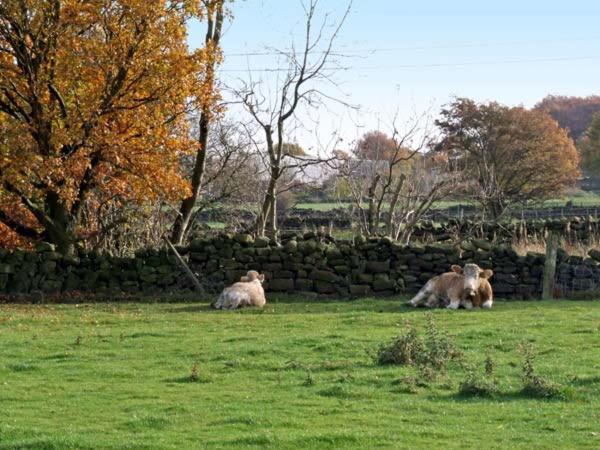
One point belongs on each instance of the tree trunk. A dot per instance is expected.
(389, 228)
(372, 221)
(496, 209)
(272, 222)
(266, 223)
(182, 223)
(58, 228)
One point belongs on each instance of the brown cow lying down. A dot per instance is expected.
(247, 292)
(468, 287)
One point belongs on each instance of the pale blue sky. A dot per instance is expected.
(413, 55)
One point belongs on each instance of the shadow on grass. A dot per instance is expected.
(200, 379)
(297, 304)
(320, 440)
(278, 304)
(24, 366)
(58, 357)
(586, 381)
(144, 334)
(250, 421)
(340, 391)
(331, 440)
(567, 395)
(201, 307)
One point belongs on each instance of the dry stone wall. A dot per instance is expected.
(309, 263)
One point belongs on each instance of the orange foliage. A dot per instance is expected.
(378, 146)
(93, 103)
(509, 154)
(572, 113)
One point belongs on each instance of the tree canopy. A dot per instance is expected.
(93, 103)
(507, 154)
(573, 113)
(589, 146)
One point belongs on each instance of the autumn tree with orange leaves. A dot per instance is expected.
(507, 155)
(93, 104)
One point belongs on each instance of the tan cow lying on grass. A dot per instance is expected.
(468, 287)
(247, 292)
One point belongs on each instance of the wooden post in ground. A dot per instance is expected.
(185, 267)
(550, 266)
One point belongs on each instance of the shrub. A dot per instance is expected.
(405, 349)
(439, 349)
(431, 356)
(533, 384)
(477, 386)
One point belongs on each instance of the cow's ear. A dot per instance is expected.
(456, 269)
(261, 277)
(244, 279)
(487, 274)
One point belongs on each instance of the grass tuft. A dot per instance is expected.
(310, 379)
(338, 391)
(24, 366)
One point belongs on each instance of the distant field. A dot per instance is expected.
(297, 375)
(322, 206)
(580, 200)
(587, 200)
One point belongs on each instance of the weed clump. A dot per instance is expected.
(194, 376)
(430, 355)
(476, 385)
(535, 385)
(405, 349)
(489, 366)
(439, 350)
(309, 380)
(409, 384)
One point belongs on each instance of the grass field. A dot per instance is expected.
(295, 375)
(583, 200)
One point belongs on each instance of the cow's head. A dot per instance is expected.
(253, 275)
(472, 275)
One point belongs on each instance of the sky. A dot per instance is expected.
(413, 57)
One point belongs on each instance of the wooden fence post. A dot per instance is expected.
(186, 268)
(550, 266)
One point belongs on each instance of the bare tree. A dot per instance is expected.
(233, 174)
(273, 114)
(120, 227)
(392, 181)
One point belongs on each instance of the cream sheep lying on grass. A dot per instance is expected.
(247, 292)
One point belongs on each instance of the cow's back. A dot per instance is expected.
(448, 283)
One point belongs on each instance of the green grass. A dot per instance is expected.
(581, 199)
(216, 225)
(297, 374)
(323, 206)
